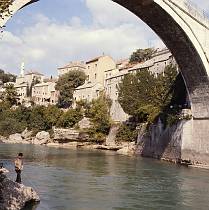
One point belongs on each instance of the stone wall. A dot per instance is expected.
(184, 141)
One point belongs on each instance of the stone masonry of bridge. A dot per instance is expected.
(185, 31)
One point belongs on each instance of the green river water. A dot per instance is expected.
(98, 180)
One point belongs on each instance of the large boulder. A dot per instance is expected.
(127, 149)
(66, 135)
(16, 138)
(41, 138)
(14, 196)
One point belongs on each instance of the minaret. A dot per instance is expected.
(22, 69)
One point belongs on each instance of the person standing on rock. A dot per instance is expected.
(19, 167)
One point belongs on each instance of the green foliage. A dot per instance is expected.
(95, 136)
(126, 133)
(67, 84)
(99, 114)
(53, 114)
(10, 95)
(30, 89)
(70, 118)
(7, 77)
(144, 96)
(141, 55)
(36, 118)
(10, 126)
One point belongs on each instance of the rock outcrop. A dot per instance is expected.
(15, 139)
(84, 123)
(14, 196)
(41, 138)
(66, 135)
(127, 149)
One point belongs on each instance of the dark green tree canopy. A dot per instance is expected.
(146, 96)
(141, 55)
(67, 84)
(6, 77)
(10, 95)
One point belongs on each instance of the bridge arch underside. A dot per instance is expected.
(186, 55)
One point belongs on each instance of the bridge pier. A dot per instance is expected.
(184, 141)
(195, 141)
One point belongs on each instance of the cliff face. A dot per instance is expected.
(14, 196)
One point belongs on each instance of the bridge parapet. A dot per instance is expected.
(193, 10)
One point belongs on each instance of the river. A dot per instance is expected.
(100, 180)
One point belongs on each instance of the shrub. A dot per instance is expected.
(126, 133)
(70, 118)
(99, 114)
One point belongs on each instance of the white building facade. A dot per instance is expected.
(96, 69)
(45, 94)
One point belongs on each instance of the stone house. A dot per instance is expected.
(95, 70)
(77, 65)
(45, 94)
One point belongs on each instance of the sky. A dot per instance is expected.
(46, 36)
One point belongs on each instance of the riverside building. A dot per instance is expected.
(45, 94)
(77, 65)
(156, 65)
(32, 86)
(96, 69)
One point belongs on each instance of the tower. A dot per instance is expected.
(22, 69)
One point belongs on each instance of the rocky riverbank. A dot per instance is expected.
(14, 196)
(68, 138)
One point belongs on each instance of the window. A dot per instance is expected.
(95, 76)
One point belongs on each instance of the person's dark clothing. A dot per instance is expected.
(18, 179)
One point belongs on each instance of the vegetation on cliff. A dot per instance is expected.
(146, 97)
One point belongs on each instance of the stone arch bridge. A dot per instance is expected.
(185, 30)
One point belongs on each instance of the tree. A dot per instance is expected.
(52, 114)
(10, 95)
(67, 84)
(4, 7)
(6, 77)
(30, 89)
(144, 96)
(99, 114)
(141, 55)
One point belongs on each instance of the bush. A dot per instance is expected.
(99, 114)
(70, 118)
(126, 133)
(96, 137)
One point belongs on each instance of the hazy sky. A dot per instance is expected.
(46, 36)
